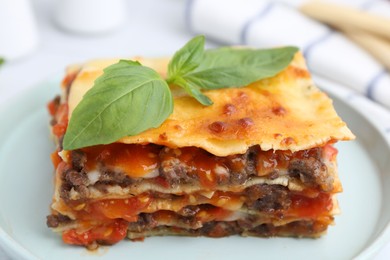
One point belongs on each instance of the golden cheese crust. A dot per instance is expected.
(285, 112)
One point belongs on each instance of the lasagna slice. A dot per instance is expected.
(259, 162)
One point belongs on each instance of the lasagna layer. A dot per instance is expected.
(259, 162)
(286, 112)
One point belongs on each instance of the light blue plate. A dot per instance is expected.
(26, 187)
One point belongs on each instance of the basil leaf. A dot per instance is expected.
(130, 98)
(126, 100)
(230, 67)
(225, 77)
(187, 58)
(194, 91)
(2, 60)
(277, 58)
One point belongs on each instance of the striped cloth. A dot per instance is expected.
(264, 23)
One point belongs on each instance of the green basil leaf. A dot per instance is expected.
(194, 91)
(276, 58)
(187, 58)
(126, 100)
(2, 61)
(225, 77)
(130, 98)
(184, 61)
(232, 67)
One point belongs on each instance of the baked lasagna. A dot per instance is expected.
(258, 162)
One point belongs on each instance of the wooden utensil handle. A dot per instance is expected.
(343, 16)
(377, 47)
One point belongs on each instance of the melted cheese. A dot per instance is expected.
(286, 112)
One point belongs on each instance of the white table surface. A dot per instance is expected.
(153, 28)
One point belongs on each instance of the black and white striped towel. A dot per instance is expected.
(267, 23)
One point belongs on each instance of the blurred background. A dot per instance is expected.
(345, 41)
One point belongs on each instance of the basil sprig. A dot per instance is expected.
(130, 98)
(127, 99)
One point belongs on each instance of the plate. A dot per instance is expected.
(26, 187)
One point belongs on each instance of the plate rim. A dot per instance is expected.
(383, 237)
(7, 242)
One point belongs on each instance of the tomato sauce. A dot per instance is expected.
(108, 233)
(134, 159)
(306, 207)
(61, 117)
(117, 213)
(55, 159)
(267, 161)
(127, 209)
(201, 164)
(52, 107)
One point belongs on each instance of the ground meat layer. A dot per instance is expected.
(197, 167)
(310, 229)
